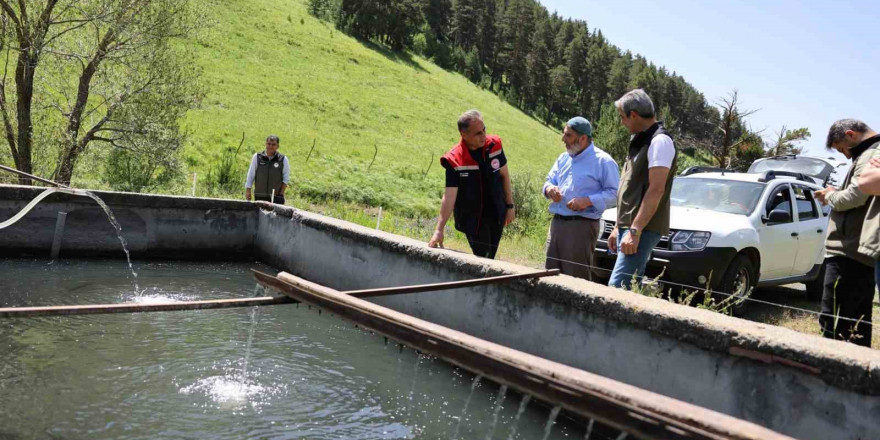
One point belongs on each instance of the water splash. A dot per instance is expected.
(551, 421)
(522, 408)
(467, 402)
(118, 228)
(227, 392)
(499, 403)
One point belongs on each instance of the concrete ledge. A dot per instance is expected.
(114, 199)
(155, 227)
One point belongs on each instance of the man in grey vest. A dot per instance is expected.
(849, 263)
(645, 184)
(268, 175)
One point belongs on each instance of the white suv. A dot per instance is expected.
(735, 231)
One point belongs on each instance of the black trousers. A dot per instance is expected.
(485, 242)
(279, 200)
(849, 293)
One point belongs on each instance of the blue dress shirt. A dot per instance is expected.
(592, 173)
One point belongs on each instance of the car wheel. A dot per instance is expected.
(816, 287)
(738, 281)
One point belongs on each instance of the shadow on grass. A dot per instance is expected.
(397, 57)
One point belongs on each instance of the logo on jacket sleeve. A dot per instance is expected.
(496, 164)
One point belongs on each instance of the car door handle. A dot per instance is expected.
(794, 234)
(819, 231)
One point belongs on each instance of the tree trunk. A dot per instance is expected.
(24, 91)
(68, 161)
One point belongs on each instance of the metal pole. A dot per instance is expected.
(38, 179)
(13, 312)
(59, 233)
(96, 309)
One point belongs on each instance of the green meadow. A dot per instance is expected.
(270, 68)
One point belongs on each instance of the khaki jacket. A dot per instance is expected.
(869, 244)
(849, 210)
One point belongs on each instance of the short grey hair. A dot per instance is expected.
(838, 130)
(636, 101)
(464, 121)
(272, 137)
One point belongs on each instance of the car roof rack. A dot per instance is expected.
(769, 175)
(705, 169)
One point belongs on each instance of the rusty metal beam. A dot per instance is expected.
(20, 312)
(97, 309)
(384, 291)
(638, 412)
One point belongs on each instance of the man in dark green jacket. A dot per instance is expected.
(847, 300)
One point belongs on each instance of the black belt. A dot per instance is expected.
(566, 218)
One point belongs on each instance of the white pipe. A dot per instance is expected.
(38, 199)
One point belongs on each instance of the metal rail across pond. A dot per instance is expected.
(637, 412)
(97, 309)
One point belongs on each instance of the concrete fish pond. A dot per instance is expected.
(621, 365)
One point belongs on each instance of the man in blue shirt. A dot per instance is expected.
(582, 184)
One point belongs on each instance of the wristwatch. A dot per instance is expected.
(635, 232)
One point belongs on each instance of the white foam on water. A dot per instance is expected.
(228, 391)
(153, 299)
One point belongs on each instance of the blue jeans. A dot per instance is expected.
(877, 273)
(628, 265)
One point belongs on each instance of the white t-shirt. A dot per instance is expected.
(661, 152)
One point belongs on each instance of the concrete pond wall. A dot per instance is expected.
(797, 384)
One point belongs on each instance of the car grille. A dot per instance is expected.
(664, 240)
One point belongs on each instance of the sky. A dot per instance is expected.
(801, 64)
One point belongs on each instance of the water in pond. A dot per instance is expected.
(183, 374)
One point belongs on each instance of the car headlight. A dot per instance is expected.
(689, 240)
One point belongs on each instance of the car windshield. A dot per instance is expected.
(805, 165)
(727, 196)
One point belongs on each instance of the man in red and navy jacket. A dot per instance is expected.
(478, 190)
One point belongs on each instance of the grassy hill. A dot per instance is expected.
(271, 68)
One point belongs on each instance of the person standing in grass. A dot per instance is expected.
(849, 273)
(268, 175)
(581, 184)
(478, 191)
(645, 184)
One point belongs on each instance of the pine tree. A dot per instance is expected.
(618, 76)
(438, 15)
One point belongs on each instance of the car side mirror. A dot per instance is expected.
(778, 216)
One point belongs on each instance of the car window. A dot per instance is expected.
(805, 203)
(728, 196)
(780, 199)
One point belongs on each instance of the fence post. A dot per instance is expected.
(195, 180)
(379, 218)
